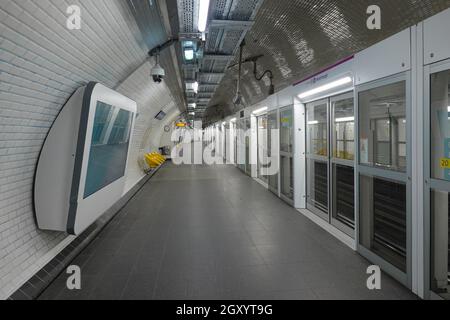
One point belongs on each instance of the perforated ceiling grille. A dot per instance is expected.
(186, 15)
(220, 9)
(231, 41)
(299, 38)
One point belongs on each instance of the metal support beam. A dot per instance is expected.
(208, 74)
(218, 57)
(231, 24)
(206, 84)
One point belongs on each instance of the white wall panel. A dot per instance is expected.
(389, 57)
(436, 44)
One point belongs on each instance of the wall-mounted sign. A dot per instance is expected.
(161, 115)
(445, 162)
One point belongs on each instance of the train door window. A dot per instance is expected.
(317, 136)
(286, 153)
(384, 187)
(382, 127)
(342, 163)
(262, 148)
(273, 146)
(438, 179)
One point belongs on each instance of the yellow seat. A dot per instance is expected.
(151, 161)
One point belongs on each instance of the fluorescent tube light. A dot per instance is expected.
(189, 54)
(349, 119)
(203, 15)
(195, 87)
(259, 111)
(311, 123)
(192, 86)
(326, 87)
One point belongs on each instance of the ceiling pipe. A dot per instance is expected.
(238, 98)
(156, 51)
(254, 60)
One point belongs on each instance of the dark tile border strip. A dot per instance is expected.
(35, 286)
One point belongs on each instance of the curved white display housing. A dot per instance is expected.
(82, 165)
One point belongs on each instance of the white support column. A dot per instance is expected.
(417, 149)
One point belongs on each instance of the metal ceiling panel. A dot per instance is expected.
(300, 37)
(229, 20)
(148, 18)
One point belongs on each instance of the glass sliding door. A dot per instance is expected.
(241, 144)
(342, 163)
(384, 171)
(437, 177)
(287, 154)
(273, 142)
(235, 148)
(317, 159)
(248, 166)
(262, 148)
(330, 157)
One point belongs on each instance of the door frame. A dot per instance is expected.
(287, 154)
(400, 177)
(277, 113)
(430, 183)
(259, 169)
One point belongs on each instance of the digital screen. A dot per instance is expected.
(109, 147)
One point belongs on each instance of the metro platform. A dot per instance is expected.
(210, 232)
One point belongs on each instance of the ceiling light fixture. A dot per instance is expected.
(203, 15)
(192, 86)
(233, 120)
(349, 119)
(189, 54)
(326, 87)
(259, 111)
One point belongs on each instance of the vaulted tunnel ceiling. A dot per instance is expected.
(299, 38)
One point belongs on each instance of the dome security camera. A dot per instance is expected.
(158, 73)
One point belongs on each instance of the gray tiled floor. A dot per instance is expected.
(198, 232)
